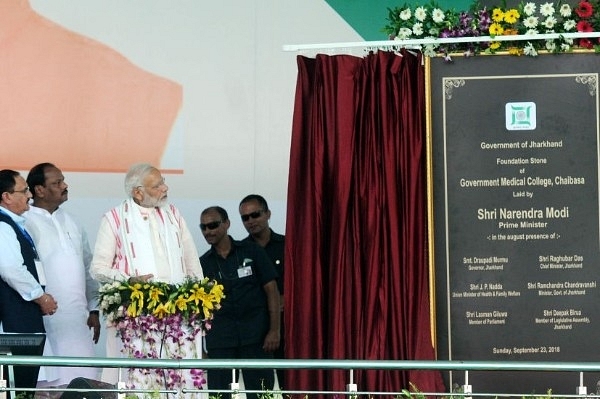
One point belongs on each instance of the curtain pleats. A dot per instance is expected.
(356, 282)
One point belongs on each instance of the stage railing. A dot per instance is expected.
(350, 365)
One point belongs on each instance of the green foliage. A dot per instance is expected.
(151, 395)
(413, 392)
(548, 395)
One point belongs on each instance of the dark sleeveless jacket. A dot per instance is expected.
(16, 314)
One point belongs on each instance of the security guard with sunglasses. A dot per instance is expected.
(247, 324)
(255, 214)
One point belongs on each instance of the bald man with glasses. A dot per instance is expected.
(247, 325)
(23, 301)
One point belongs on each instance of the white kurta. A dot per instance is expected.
(65, 253)
(134, 240)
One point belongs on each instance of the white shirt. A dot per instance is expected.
(12, 269)
(65, 255)
(107, 249)
(64, 250)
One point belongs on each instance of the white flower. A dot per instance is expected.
(417, 29)
(405, 14)
(421, 13)
(569, 24)
(438, 16)
(565, 47)
(530, 22)
(550, 22)
(547, 9)
(529, 9)
(550, 45)
(404, 33)
(530, 50)
(429, 50)
(532, 32)
(565, 10)
(568, 40)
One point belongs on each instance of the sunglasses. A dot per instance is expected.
(211, 225)
(253, 215)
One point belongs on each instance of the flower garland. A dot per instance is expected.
(430, 21)
(159, 320)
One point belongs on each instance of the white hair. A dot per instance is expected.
(135, 176)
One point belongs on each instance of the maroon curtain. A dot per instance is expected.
(356, 282)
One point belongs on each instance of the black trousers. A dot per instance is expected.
(254, 379)
(26, 377)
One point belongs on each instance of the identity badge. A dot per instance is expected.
(244, 271)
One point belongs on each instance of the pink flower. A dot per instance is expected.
(586, 43)
(584, 9)
(584, 26)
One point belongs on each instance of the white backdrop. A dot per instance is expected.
(234, 127)
(238, 93)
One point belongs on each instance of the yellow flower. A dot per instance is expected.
(181, 303)
(160, 299)
(163, 309)
(511, 16)
(497, 15)
(217, 292)
(197, 294)
(510, 31)
(154, 297)
(496, 29)
(515, 51)
(137, 301)
(494, 45)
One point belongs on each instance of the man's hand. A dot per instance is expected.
(140, 279)
(271, 341)
(273, 338)
(93, 321)
(47, 304)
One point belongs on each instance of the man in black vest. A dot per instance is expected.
(22, 297)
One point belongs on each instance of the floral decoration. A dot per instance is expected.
(529, 18)
(159, 320)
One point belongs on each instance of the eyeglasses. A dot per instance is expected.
(211, 225)
(253, 215)
(23, 191)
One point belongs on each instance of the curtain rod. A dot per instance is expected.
(417, 43)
